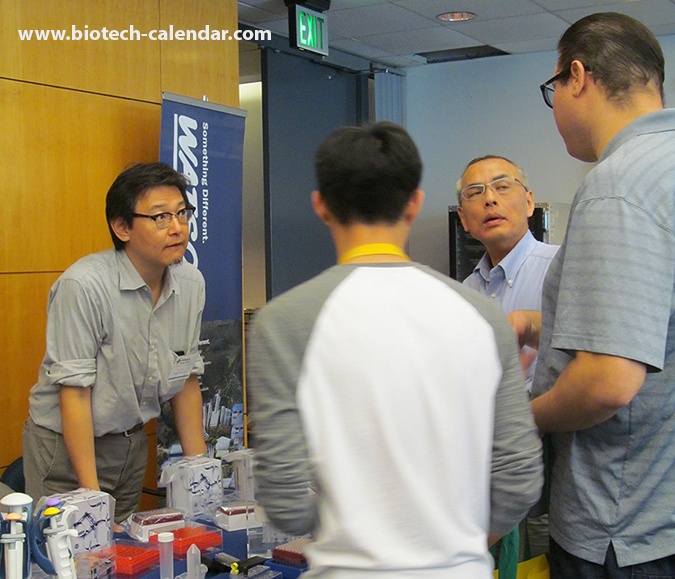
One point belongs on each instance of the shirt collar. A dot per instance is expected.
(656, 122)
(130, 279)
(512, 262)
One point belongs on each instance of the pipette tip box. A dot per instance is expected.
(204, 536)
(131, 557)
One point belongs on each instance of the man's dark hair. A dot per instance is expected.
(619, 51)
(368, 174)
(132, 183)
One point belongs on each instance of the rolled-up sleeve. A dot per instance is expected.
(72, 373)
(74, 334)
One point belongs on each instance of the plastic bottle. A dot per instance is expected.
(165, 541)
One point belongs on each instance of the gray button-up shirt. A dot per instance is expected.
(104, 331)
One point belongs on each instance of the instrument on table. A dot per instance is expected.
(51, 539)
(14, 533)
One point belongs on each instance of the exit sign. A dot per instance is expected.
(308, 30)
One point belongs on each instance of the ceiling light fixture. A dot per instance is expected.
(456, 16)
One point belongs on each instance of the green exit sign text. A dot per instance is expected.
(309, 30)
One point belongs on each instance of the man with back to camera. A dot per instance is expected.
(494, 205)
(342, 365)
(606, 369)
(122, 336)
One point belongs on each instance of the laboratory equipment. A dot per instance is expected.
(204, 536)
(14, 533)
(155, 521)
(51, 536)
(131, 557)
(165, 541)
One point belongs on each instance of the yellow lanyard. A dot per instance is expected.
(373, 249)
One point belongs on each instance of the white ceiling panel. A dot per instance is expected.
(382, 18)
(649, 12)
(432, 40)
(515, 29)
(484, 9)
(394, 31)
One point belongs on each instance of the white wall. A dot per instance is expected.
(458, 111)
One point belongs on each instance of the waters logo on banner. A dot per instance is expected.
(186, 161)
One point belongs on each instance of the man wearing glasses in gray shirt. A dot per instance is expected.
(122, 338)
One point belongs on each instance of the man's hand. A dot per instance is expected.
(527, 325)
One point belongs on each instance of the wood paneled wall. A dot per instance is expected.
(74, 114)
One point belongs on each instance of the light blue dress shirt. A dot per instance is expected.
(516, 281)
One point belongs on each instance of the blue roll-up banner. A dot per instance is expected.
(205, 142)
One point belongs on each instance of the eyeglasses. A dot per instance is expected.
(501, 186)
(547, 89)
(163, 220)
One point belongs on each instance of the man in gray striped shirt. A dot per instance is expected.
(606, 370)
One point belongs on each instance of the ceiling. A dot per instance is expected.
(395, 33)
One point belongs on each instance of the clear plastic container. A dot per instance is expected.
(166, 544)
(155, 521)
(204, 536)
(130, 557)
(264, 539)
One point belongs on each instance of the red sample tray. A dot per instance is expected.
(201, 535)
(292, 553)
(133, 559)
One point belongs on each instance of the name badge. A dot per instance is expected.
(182, 368)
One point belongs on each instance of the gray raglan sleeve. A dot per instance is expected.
(517, 464)
(282, 469)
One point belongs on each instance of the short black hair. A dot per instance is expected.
(368, 174)
(132, 183)
(620, 52)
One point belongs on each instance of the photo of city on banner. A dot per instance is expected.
(204, 141)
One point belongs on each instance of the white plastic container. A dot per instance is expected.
(165, 541)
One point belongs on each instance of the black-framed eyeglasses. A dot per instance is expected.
(501, 186)
(163, 220)
(547, 89)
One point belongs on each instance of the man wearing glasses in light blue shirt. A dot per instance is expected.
(494, 206)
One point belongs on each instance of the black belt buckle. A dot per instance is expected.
(133, 430)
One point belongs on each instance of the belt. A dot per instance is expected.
(132, 430)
